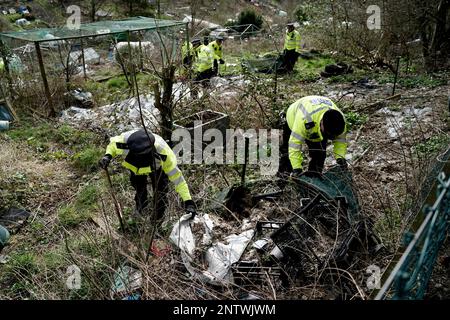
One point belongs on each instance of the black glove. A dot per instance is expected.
(104, 162)
(189, 207)
(221, 61)
(297, 173)
(313, 174)
(342, 163)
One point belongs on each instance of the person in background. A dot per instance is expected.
(292, 47)
(216, 47)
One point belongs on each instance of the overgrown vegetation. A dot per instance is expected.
(51, 169)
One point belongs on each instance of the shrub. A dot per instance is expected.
(87, 159)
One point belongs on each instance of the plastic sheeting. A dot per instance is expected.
(219, 256)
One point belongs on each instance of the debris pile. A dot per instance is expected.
(288, 232)
(116, 117)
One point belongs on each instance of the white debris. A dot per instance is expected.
(90, 56)
(200, 23)
(217, 82)
(116, 117)
(282, 13)
(219, 256)
(22, 22)
(398, 120)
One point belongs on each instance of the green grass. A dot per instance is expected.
(414, 81)
(309, 70)
(81, 209)
(62, 142)
(355, 120)
(389, 228)
(432, 145)
(87, 159)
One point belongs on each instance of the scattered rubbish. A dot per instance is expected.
(4, 125)
(23, 10)
(135, 296)
(250, 296)
(217, 259)
(282, 13)
(200, 22)
(4, 237)
(217, 82)
(6, 113)
(3, 258)
(90, 56)
(397, 120)
(103, 14)
(336, 70)
(22, 22)
(365, 83)
(218, 32)
(144, 47)
(116, 117)
(127, 280)
(81, 98)
(14, 219)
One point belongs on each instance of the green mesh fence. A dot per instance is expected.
(95, 54)
(91, 29)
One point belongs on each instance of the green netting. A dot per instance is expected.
(92, 29)
(336, 183)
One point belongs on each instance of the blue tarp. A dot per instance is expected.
(5, 114)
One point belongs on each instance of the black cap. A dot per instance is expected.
(195, 41)
(333, 123)
(139, 142)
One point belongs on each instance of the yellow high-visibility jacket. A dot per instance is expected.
(168, 161)
(204, 60)
(187, 49)
(308, 113)
(216, 49)
(292, 41)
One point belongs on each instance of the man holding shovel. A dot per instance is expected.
(148, 154)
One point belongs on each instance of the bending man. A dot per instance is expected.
(142, 156)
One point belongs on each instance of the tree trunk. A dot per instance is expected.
(93, 10)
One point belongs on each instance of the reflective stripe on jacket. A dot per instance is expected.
(292, 41)
(303, 118)
(168, 161)
(187, 49)
(204, 60)
(216, 49)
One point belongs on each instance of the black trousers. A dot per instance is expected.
(160, 186)
(290, 58)
(203, 77)
(215, 68)
(317, 153)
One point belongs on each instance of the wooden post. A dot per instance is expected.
(6, 66)
(141, 54)
(131, 62)
(396, 76)
(44, 79)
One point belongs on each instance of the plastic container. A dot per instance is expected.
(4, 237)
(4, 125)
